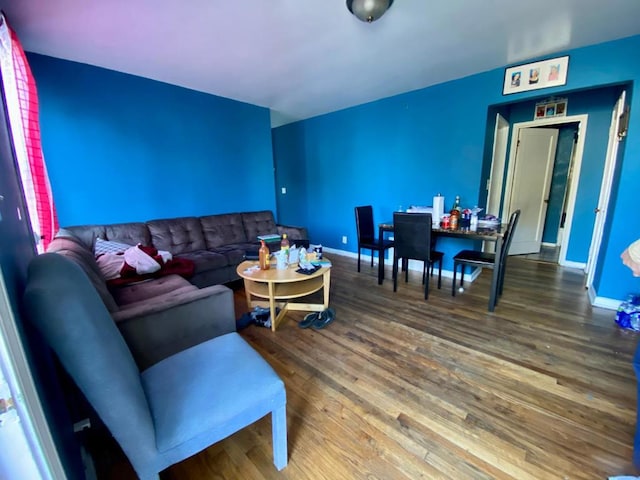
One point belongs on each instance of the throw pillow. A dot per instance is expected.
(103, 246)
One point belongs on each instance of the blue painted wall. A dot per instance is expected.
(405, 149)
(121, 148)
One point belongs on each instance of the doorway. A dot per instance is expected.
(517, 177)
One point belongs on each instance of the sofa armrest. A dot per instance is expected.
(169, 324)
(295, 233)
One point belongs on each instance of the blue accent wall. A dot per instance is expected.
(405, 149)
(122, 148)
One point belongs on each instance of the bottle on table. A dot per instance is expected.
(285, 247)
(263, 256)
(455, 213)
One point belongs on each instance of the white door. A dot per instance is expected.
(600, 210)
(494, 185)
(530, 184)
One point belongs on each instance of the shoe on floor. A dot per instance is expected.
(308, 320)
(324, 319)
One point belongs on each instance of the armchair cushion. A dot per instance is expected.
(228, 386)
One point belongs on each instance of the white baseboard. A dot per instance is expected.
(568, 264)
(414, 265)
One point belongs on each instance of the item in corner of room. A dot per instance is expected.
(474, 216)
(628, 314)
(284, 245)
(263, 254)
(445, 221)
(271, 237)
(438, 209)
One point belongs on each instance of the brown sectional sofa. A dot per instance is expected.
(165, 315)
(215, 243)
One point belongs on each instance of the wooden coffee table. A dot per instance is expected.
(274, 288)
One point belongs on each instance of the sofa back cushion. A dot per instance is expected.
(177, 235)
(130, 233)
(226, 229)
(258, 223)
(74, 249)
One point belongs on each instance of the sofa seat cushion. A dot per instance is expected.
(235, 253)
(137, 292)
(212, 401)
(205, 260)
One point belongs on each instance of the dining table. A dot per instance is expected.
(493, 233)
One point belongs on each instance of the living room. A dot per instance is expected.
(122, 148)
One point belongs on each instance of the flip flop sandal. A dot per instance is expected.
(324, 319)
(308, 320)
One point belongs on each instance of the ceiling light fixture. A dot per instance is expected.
(368, 10)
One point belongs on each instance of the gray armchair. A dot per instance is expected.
(171, 410)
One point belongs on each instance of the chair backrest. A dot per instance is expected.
(508, 235)
(63, 305)
(364, 223)
(412, 235)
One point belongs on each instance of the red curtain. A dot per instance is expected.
(47, 222)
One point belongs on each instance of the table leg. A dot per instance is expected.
(246, 291)
(272, 306)
(326, 279)
(380, 256)
(495, 279)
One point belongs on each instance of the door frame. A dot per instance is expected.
(574, 170)
(602, 207)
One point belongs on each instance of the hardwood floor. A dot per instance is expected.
(396, 387)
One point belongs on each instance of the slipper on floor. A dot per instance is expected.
(324, 319)
(308, 320)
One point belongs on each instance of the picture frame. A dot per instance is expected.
(552, 107)
(536, 75)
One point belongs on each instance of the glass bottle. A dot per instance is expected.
(263, 256)
(454, 218)
(285, 247)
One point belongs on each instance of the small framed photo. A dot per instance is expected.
(550, 108)
(532, 76)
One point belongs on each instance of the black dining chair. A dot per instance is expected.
(477, 258)
(366, 234)
(413, 241)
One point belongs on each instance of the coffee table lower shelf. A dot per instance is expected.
(273, 288)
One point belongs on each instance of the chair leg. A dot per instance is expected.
(426, 290)
(358, 259)
(406, 272)
(463, 267)
(453, 284)
(424, 271)
(395, 273)
(372, 258)
(279, 436)
(439, 273)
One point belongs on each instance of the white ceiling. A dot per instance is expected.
(302, 58)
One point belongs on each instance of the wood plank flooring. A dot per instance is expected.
(400, 388)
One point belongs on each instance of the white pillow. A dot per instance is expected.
(103, 246)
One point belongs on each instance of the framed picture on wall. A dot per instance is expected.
(553, 107)
(532, 76)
